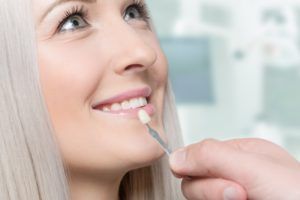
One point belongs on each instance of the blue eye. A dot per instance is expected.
(72, 23)
(132, 13)
(137, 11)
(73, 20)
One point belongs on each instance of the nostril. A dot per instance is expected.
(135, 66)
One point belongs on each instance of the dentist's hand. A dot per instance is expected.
(237, 169)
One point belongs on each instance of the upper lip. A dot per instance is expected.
(134, 93)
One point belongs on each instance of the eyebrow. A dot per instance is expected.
(58, 2)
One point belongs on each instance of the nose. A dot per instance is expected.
(133, 51)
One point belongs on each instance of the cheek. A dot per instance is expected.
(159, 71)
(68, 79)
(162, 68)
(67, 76)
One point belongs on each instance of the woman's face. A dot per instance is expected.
(99, 63)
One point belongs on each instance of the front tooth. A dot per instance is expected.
(142, 101)
(145, 101)
(125, 105)
(134, 103)
(105, 109)
(116, 107)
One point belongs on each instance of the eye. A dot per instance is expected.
(72, 23)
(74, 19)
(136, 11)
(132, 13)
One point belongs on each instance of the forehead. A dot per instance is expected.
(41, 3)
(43, 7)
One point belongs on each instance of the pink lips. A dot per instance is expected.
(143, 92)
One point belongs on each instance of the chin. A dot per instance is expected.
(127, 143)
(142, 151)
(147, 155)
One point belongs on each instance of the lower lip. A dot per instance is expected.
(131, 113)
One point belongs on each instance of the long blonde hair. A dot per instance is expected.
(31, 166)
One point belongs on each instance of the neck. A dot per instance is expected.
(94, 187)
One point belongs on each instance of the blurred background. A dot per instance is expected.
(234, 66)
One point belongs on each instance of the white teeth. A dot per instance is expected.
(143, 101)
(126, 105)
(134, 103)
(116, 107)
(105, 109)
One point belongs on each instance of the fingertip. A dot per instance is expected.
(177, 175)
(234, 193)
(177, 160)
(230, 193)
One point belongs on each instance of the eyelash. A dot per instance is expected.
(142, 8)
(76, 10)
(83, 13)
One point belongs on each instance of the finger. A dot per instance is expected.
(211, 158)
(212, 189)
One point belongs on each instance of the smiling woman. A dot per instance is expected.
(73, 76)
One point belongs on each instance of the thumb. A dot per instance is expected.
(211, 158)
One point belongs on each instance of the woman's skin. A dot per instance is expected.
(92, 56)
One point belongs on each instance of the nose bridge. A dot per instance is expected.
(130, 47)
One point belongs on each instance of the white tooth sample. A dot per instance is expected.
(105, 109)
(116, 107)
(143, 116)
(125, 105)
(134, 103)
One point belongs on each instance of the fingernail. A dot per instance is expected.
(230, 193)
(177, 158)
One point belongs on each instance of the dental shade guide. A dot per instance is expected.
(145, 119)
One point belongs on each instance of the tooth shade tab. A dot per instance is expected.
(143, 116)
